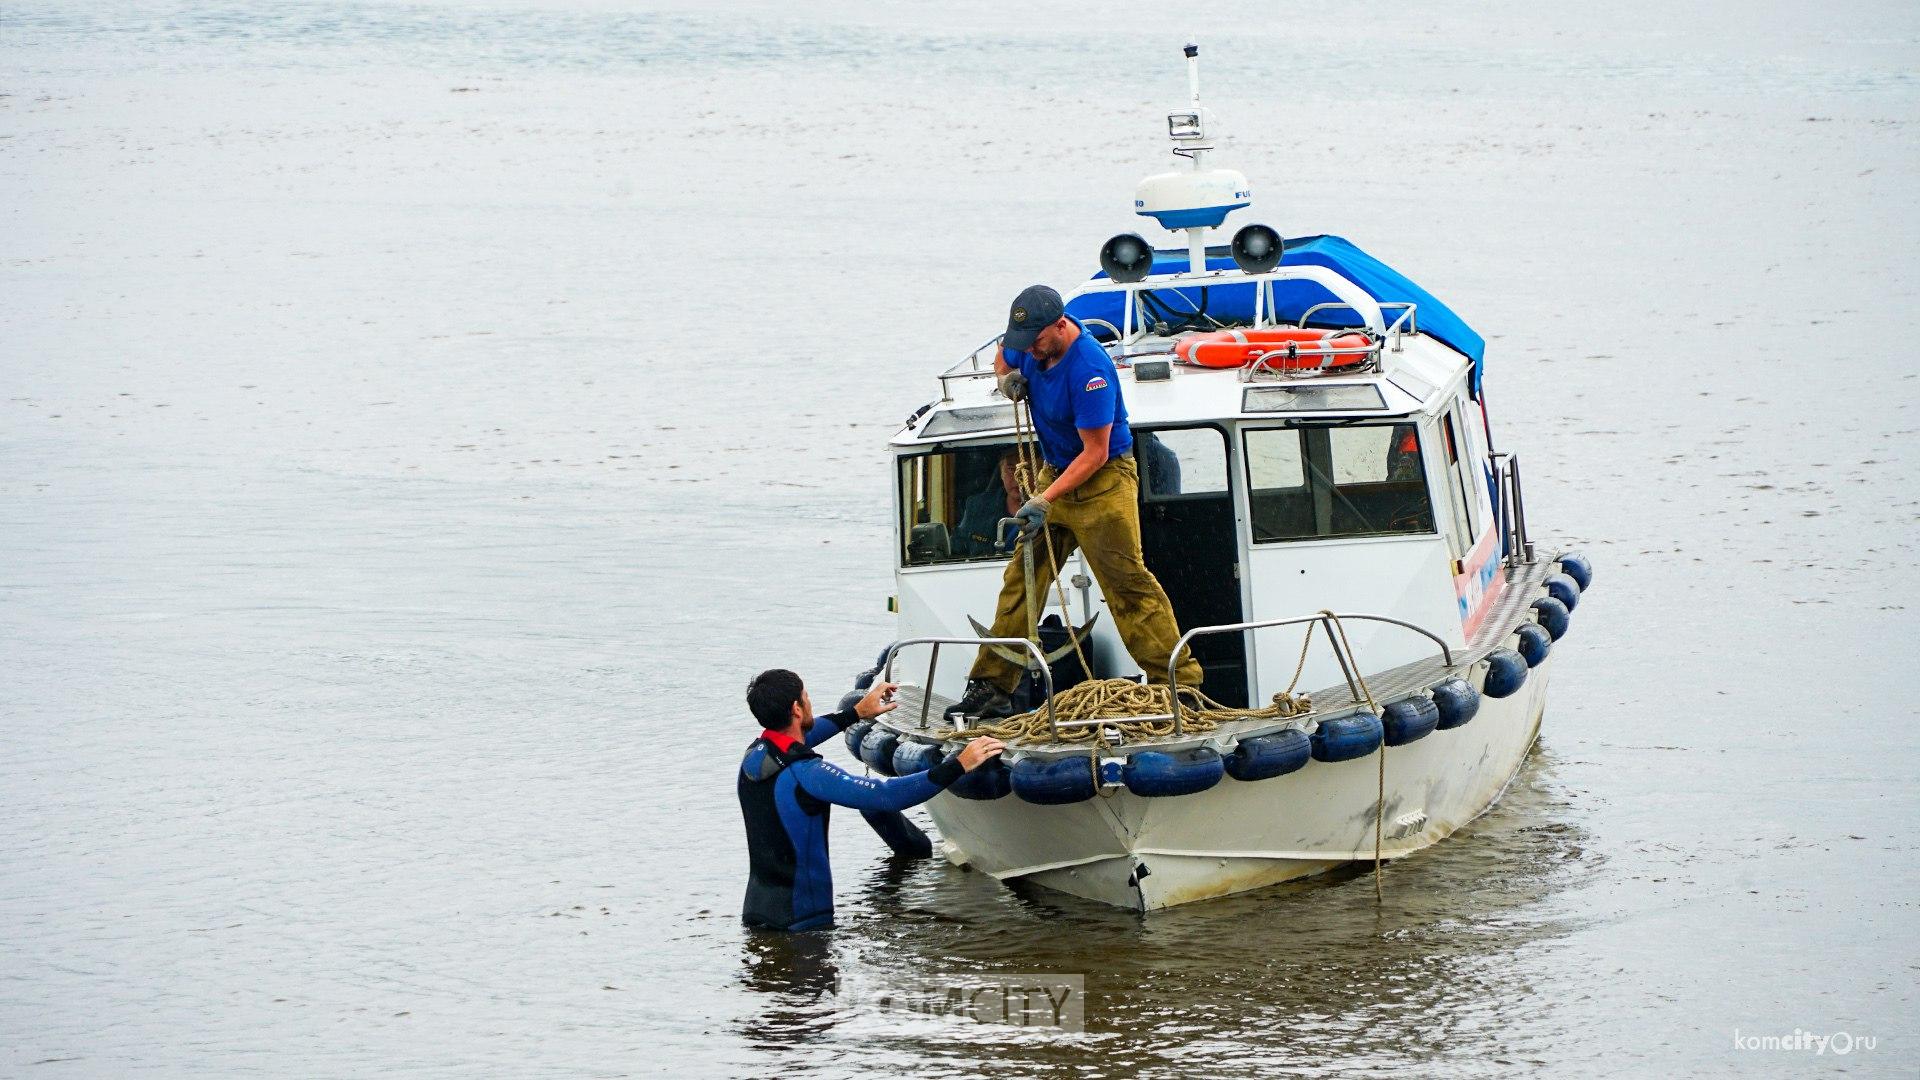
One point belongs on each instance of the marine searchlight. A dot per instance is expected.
(1127, 257)
(1256, 249)
(1199, 198)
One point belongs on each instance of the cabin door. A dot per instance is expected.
(1187, 535)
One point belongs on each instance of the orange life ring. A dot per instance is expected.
(1238, 348)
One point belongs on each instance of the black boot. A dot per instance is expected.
(982, 701)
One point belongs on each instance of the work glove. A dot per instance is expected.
(1033, 516)
(1013, 386)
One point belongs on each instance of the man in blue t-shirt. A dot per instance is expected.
(1088, 497)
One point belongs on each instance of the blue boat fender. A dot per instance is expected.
(1346, 737)
(910, 757)
(1409, 719)
(1564, 589)
(1054, 781)
(855, 734)
(1576, 566)
(1553, 615)
(877, 750)
(1506, 673)
(990, 780)
(1264, 757)
(1535, 643)
(1456, 703)
(849, 699)
(864, 681)
(1156, 774)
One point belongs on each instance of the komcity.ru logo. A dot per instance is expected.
(1839, 1042)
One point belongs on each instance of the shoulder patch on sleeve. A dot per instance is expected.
(1098, 382)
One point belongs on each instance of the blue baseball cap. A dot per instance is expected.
(1036, 308)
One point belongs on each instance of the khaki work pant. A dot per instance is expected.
(1102, 518)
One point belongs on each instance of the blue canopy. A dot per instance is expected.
(1234, 302)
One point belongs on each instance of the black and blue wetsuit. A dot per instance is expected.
(786, 793)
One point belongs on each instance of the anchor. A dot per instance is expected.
(1075, 638)
(1025, 659)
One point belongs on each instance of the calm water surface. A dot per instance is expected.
(399, 481)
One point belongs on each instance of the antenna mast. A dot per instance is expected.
(1196, 238)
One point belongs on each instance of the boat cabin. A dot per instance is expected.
(1347, 468)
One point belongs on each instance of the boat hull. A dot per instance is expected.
(1150, 853)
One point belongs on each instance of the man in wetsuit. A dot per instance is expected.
(787, 790)
(1089, 497)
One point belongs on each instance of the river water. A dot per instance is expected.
(417, 422)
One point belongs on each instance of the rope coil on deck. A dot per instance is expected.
(1123, 701)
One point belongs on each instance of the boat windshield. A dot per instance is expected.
(1321, 482)
(952, 502)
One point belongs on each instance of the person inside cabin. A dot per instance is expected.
(984, 510)
(1403, 453)
(787, 791)
(1162, 464)
(1089, 497)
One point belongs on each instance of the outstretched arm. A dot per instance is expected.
(829, 783)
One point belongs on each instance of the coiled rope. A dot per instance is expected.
(1123, 702)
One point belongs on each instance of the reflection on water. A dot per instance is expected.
(794, 979)
(1298, 973)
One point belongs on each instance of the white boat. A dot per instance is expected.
(1352, 472)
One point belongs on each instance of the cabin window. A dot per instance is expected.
(1457, 489)
(1181, 461)
(962, 421)
(1470, 458)
(1321, 482)
(952, 502)
(1293, 397)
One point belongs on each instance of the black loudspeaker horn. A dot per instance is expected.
(1127, 257)
(1257, 249)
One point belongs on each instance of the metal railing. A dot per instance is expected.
(972, 367)
(933, 664)
(1325, 349)
(1348, 664)
(1513, 507)
(1408, 321)
(1332, 281)
(968, 367)
(1370, 312)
